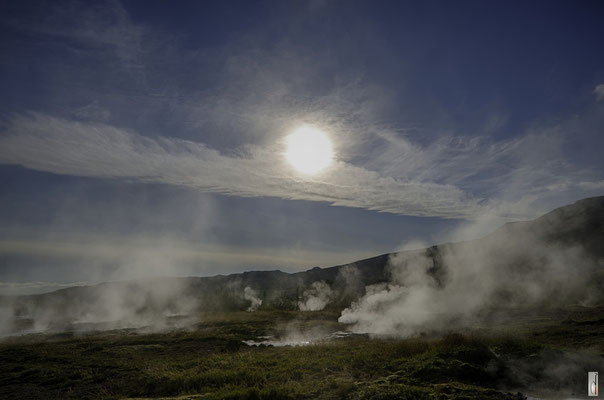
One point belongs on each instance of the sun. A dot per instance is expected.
(309, 150)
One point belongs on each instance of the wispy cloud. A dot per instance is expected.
(510, 175)
(233, 101)
(452, 177)
(104, 28)
(45, 143)
(599, 91)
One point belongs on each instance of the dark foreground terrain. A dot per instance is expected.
(544, 357)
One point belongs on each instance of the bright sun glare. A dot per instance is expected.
(309, 150)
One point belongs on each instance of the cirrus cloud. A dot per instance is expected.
(42, 142)
(449, 178)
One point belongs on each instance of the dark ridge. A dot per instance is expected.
(580, 225)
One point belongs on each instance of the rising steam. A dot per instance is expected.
(151, 304)
(251, 295)
(316, 297)
(461, 284)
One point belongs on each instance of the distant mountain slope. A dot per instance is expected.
(512, 248)
(578, 223)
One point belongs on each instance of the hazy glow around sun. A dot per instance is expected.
(308, 150)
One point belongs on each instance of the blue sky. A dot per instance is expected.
(147, 138)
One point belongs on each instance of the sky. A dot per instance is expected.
(147, 138)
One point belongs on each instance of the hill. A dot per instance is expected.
(555, 259)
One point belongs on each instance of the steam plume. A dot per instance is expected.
(252, 296)
(461, 284)
(317, 297)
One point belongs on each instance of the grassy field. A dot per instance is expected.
(545, 356)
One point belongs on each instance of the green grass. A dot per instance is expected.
(210, 362)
